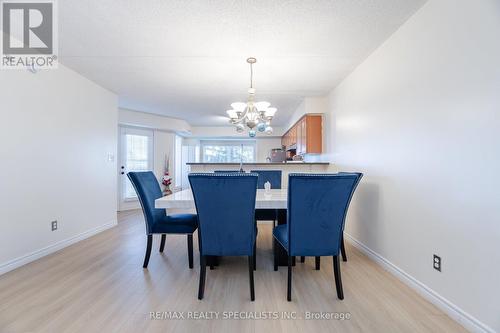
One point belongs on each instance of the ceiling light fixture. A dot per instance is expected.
(256, 116)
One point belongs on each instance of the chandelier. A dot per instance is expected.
(256, 116)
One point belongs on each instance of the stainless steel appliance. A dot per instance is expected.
(277, 155)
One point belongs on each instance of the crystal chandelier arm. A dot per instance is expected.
(241, 118)
(237, 121)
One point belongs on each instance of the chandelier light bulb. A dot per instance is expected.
(232, 114)
(269, 130)
(262, 106)
(270, 112)
(239, 106)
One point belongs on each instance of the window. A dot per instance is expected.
(136, 155)
(228, 151)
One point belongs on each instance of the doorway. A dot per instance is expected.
(136, 154)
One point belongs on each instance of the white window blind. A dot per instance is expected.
(227, 151)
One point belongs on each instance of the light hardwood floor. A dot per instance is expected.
(99, 285)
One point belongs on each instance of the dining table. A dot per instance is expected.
(264, 199)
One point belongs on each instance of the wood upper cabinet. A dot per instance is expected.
(313, 134)
(306, 135)
(298, 132)
(284, 140)
(293, 135)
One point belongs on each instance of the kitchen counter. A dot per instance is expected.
(263, 163)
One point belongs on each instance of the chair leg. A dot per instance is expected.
(338, 279)
(250, 272)
(190, 249)
(212, 264)
(342, 249)
(318, 261)
(203, 273)
(148, 251)
(275, 255)
(302, 259)
(289, 285)
(162, 244)
(254, 257)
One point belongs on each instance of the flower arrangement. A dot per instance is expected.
(166, 180)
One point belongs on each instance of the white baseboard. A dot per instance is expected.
(129, 205)
(18, 262)
(466, 320)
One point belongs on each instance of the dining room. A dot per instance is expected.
(249, 166)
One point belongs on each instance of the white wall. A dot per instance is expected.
(57, 131)
(421, 118)
(315, 104)
(164, 145)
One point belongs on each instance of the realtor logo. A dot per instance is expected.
(29, 34)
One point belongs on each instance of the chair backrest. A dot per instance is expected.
(317, 207)
(228, 171)
(225, 204)
(272, 176)
(148, 190)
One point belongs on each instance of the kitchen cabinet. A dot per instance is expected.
(299, 140)
(306, 135)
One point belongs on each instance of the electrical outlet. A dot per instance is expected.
(437, 263)
(53, 225)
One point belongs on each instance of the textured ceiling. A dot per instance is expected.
(186, 59)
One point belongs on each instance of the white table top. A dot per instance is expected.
(275, 199)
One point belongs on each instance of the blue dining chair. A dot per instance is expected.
(157, 221)
(342, 245)
(271, 176)
(226, 206)
(228, 171)
(317, 207)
